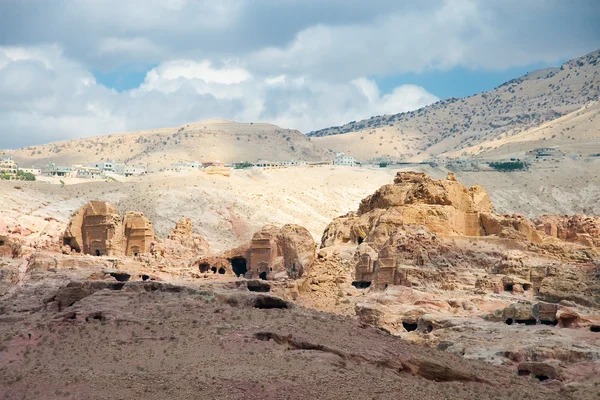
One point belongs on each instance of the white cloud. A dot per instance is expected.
(59, 99)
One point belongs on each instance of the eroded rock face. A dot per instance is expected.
(9, 248)
(273, 253)
(98, 229)
(289, 251)
(183, 233)
(581, 229)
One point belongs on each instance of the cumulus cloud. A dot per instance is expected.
(47, 96)
(301, 64)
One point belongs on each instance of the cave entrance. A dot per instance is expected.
(2, 242)
(526, 321)
(509, 321)
(552, 323)
(595, 328)
(409, 326)
(541, 378)
(204, 267)
(263, 275)
(221, 271)
(98, 253)
(239, 266)
(508, 287)
(360, 240)
(361, 284)
(526, 287)
(214, 270)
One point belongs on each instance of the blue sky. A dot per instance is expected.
(73, 68)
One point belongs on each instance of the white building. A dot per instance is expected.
(133, 171)
(342, 159)
(111, 166)
(8, 166)
(87, 172)
(33, 171)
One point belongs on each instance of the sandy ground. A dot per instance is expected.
(127, 344)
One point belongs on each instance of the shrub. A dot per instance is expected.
(508, 165)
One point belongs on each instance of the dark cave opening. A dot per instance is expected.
(595, 328)
(120, 276)
(551, 323)
(508, 287)
(541, 378)
(509, 321)
(360, 240)
(221, 270)
(258, 286)
(524, 372)
(526, 321)
(263, 275)
(409, 326)
(98, 254)
(239, 266)
(270, 302)
(204, 267)
(361, 284)
(214, 270)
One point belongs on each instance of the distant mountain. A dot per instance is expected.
(209, 140)
(450, 126)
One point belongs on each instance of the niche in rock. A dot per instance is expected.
(239, 266)
(361, 284)
(120, 276)
(509, 321)
(268, 302)
(595, 328)
(409, 326)
(258, 286)
(508, 287)
(221, 270)
(360, 240)
(263, 275)
(204, 267)
(526, 321)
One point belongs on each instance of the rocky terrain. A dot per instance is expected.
(424, 290)
(555, 106)
(210, 140)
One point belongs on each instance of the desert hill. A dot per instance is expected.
(455, 127)
(209, 140)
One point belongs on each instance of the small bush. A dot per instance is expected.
(508, 165)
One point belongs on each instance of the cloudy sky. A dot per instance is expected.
(75, 68)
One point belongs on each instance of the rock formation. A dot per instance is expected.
(8, 248)
(273, 253)
(581, 229)
(98, 229)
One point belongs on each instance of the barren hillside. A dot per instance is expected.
(452, 125)
(209, 140)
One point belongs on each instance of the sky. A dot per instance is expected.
(77, 68)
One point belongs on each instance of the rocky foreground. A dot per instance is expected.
(423, 291)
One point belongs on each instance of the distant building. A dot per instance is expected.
(111, 166)
(267, 164)
(8, 166)
(342, 159)
(87, 172)
(545, 152)
(133, 171)
(33, 171)
(56, 170)
(188, 165)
